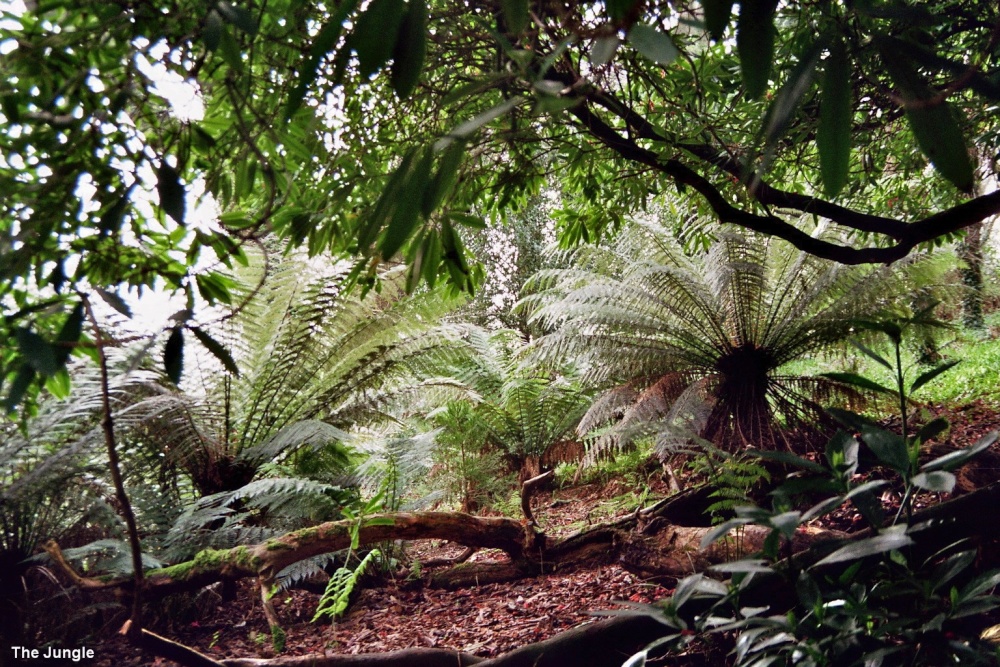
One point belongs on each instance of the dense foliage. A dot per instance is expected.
(382, 128)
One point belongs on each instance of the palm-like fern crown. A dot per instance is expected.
(313, 357)
(699, 340)
(520, 409)
(50, 467)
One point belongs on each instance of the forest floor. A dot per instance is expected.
(486, 620)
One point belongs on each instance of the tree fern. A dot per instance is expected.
(695, 344)
(314, 359)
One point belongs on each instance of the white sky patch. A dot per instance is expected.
(184, 96)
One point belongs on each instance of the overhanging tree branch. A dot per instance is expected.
(907, 236)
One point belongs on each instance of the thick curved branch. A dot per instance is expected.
(907, 236)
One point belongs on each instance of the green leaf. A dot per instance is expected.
(979, 585)
(893, 538)
(69, 334)
(652, 43)
(111, 219)
(932, 429)
(856, 380)
(744, 565)
(470, 126)
(38, 352)
(432, 252)
(239, 17)
(217, 350)
(717, 14)
(755, 35)
(406, 211)
(889, 447)
(787, 458)
(444, 180)
(938, 481)
(782, 111)
(722, 530)
(212, 32)
(871, 354)
(467, 220)
(932, 120)
(926, 377)
(515, 15)
(619, 10)
(410, 50)
(954, 460)
(375, 34)
(173, 355)
(833, 137)
(19, 387)
(114, 301)
(230, 51)
(171, 192)
(603, 50)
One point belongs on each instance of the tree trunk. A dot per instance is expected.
(970, 251)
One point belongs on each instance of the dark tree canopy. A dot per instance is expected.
(382, 129)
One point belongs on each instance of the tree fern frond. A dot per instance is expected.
(304, 570)
(726, 320)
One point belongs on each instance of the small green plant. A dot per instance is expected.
(871, 602)
(901, 452)
(342, 583)
(733, 476)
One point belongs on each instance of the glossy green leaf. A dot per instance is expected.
(932, 429)
(782, 111)
(894, 538)
(856, 380)
(872, 354)
(171, 192)
(467, 220)
(173, 355)
(238, 17)
(889, 447)
(603, 50)
(19, 387)
(468, 127)
(444, 179)
(230, 50)
(619, 10)
(373, 223)
(833, 137)
(37, 351)
(652, 43)
(927, 376)
(932, 120)
(717, 15)
(938, 481)
(217, 349)
(787, 458)
(755, 35)
(115, 301)
(410, 50)
(515, 15)
(212, 32)
(69, 334)
(405, 211)
(953, 460)
(432, 253)
(375, 33)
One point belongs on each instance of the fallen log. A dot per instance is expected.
(606, 643)
(646, 542)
